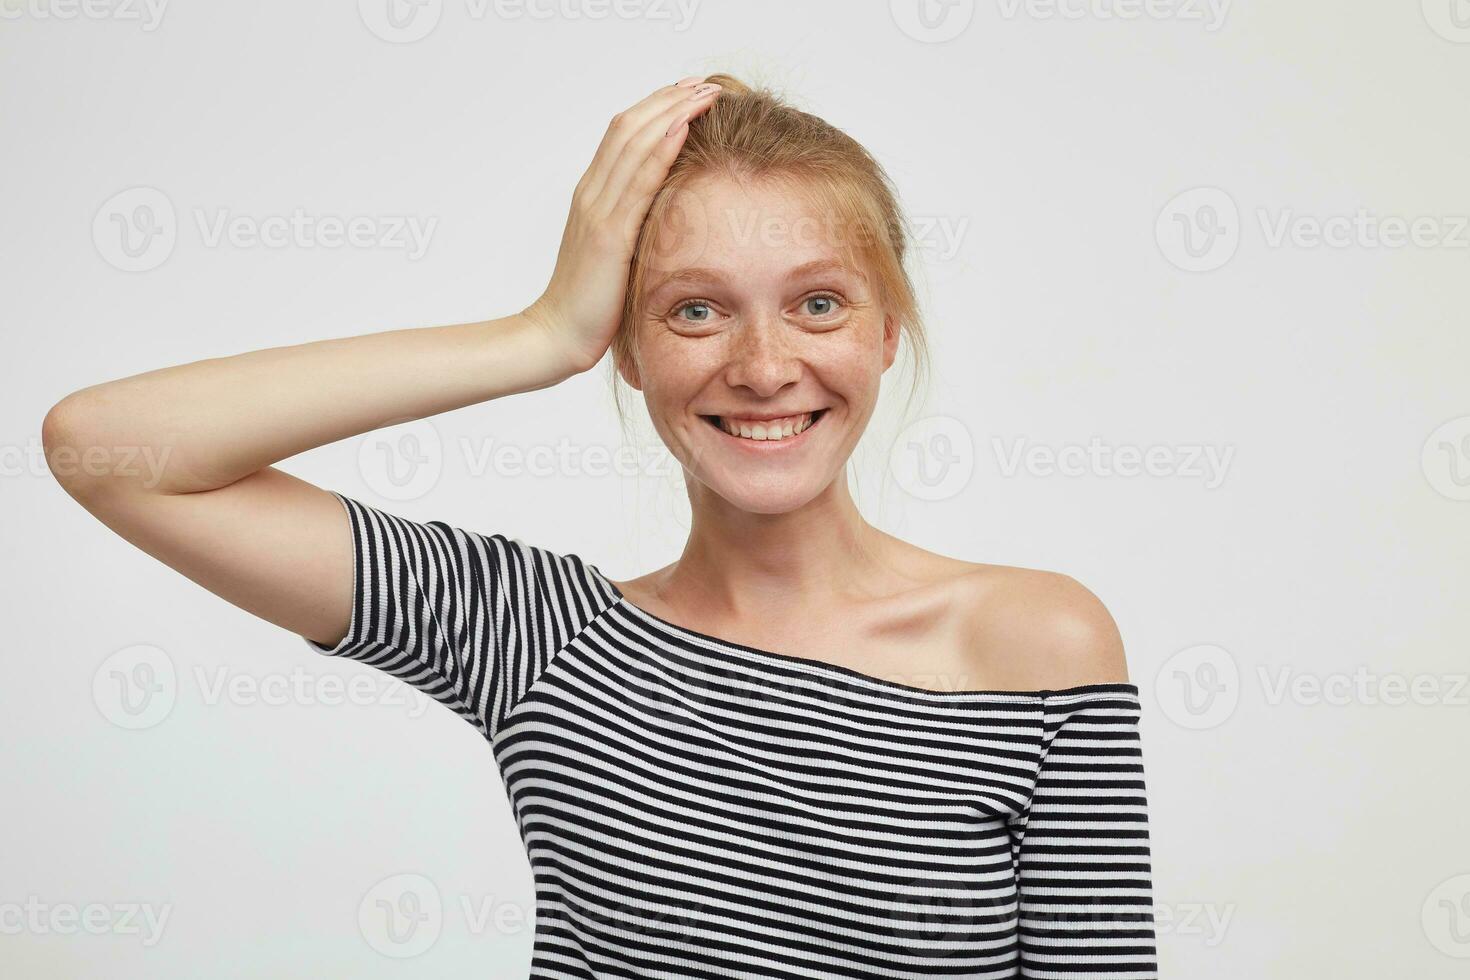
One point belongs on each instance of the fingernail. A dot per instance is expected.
(705, 89)
(675, 128)
(690, 80)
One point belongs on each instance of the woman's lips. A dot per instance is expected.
(762, 433)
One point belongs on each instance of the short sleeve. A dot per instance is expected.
(468, 618)
(1081, 845)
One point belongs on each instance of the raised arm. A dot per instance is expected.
(218, 511)
(211, 505)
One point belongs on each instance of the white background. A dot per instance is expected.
(1310, 830)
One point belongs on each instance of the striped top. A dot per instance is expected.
(694, 807)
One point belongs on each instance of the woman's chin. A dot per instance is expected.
(776, 494)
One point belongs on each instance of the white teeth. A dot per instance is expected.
(771, 431)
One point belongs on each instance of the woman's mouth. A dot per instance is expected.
(766, 432)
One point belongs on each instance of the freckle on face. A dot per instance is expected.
(751, 237)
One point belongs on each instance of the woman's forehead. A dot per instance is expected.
(779, 267)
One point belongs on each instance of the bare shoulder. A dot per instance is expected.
(1040, 630)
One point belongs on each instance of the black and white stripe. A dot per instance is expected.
(694, 807)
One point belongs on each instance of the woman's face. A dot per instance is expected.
(751, 320)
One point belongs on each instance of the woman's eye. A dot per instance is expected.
(820, 305)
(703, 312)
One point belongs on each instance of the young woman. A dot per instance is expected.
(806, 748)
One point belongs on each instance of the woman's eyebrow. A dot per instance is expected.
(688, 277)
(699, 275)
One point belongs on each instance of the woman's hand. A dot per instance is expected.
(211, 505)
(583, 304)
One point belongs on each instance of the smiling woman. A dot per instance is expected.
(805, 748)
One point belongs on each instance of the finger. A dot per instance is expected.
(624, 126)
(646, 159)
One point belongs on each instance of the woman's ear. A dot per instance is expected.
(890, 340)
(628, 370)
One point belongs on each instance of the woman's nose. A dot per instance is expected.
(763, 358)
